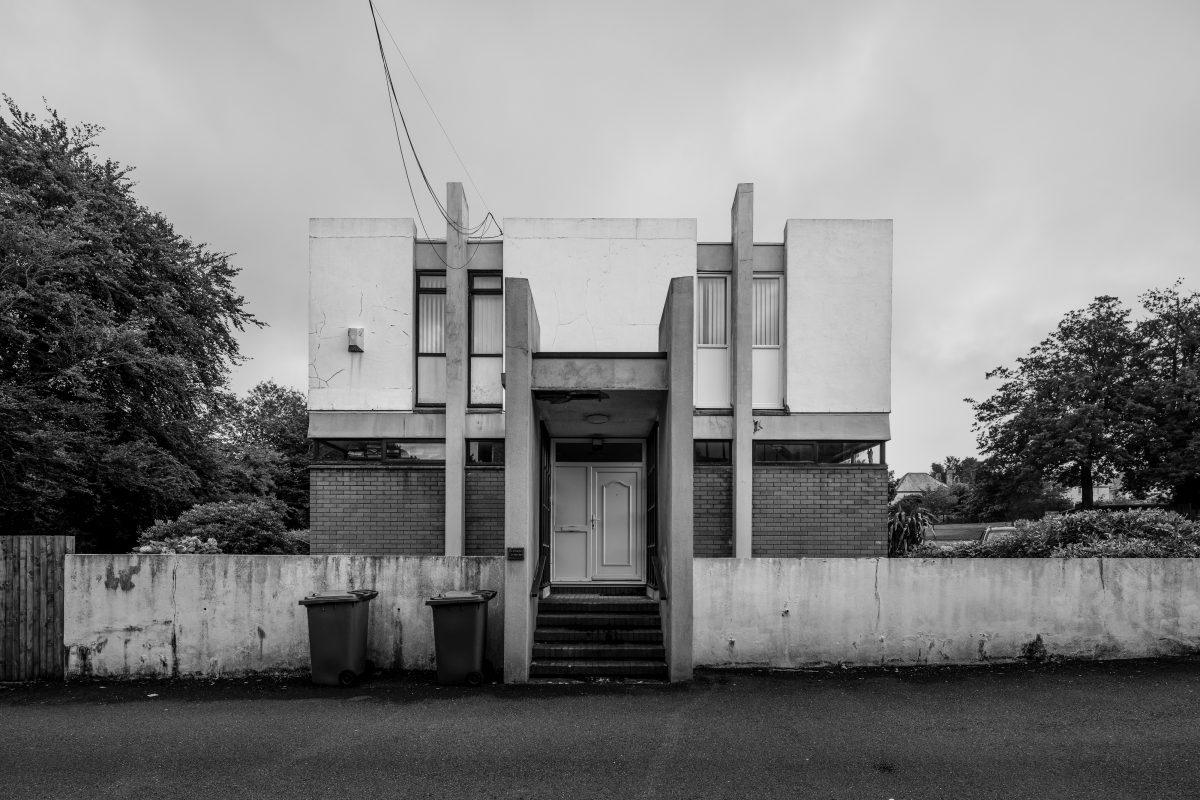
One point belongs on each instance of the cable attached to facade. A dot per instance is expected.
(397, 111)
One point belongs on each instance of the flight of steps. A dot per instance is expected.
(598, 632)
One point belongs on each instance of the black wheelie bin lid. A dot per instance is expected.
(338, 596)
(456, 598)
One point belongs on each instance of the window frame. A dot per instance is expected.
(724, 279)
(480, 464)
(471, 354)
(381, 444)
(725, 461)
(418, 354)
(780, 335)
(816, 446)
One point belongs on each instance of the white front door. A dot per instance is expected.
(598, 528)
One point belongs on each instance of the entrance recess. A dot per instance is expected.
(598, 512)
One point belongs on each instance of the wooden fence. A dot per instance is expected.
(31, 606)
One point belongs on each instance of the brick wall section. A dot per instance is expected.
(485, 511)
(374, 510)
(712, 511)
(821, 510)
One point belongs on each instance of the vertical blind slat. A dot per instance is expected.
(432, 313)
(487, 324)
(713, 329)
(766, 312)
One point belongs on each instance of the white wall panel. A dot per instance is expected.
(839, 315)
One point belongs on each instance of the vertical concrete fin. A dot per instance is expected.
(675, 337)
(521, 476)
(741, 378)
(456, 367)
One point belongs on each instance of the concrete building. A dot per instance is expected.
(600, 401)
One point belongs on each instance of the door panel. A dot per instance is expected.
(598, 529)
(572, 527)
(617, 525)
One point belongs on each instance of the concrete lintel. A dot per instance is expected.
(599, 228)
(600, 373)
(712, 427)
(352, 227)
(488, 425)
(375, 424)
(831, 426)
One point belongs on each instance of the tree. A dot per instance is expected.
(1002, 492)
(1062, 414)
(1164, 441)
(263, 446)
(116, 337)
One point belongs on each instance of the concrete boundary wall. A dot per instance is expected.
(160, 616)
(801, 612)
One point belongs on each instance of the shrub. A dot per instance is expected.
(1139, 533)
(908, 523)
(231, 526)
(192, 545)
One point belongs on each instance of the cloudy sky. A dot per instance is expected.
(1032, 154)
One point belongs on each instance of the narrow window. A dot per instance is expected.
(767, 385)
(712, 342)
(487, 340)
(485, 452)
(431, 338)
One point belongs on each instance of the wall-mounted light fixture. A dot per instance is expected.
(357, 339)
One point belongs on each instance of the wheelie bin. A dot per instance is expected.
(460, 635)
(337, 635)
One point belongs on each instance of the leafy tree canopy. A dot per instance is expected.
(116, 337)
(1104, 397)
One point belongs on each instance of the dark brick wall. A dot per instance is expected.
(485, 511)
(819, 510)
(375, 510)
(712, 511)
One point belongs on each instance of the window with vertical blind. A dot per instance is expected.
(767, 357)
(713, 312)
(712, 342)
(486, 340)
(431, 338)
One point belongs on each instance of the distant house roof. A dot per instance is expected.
(917, 483)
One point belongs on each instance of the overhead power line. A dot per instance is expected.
(400, 122)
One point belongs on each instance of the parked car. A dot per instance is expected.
(996, 532)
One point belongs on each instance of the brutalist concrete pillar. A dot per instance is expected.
(456, 367)
(521, 479)
(675, 337)
(741, 360)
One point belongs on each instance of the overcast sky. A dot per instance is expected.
(1033, 155)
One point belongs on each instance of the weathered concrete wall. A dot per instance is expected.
(360, 275)
(130, 615)
(580, 272)
(839, 314)
(811, 611)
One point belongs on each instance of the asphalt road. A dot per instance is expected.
(1125, 730)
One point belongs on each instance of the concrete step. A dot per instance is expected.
(570, 668)
(597, 604)
(547, 635)
(600, 651)
(598, 620)
(594, 589)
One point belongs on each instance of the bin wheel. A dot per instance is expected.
(474, 679)
(348, 677)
